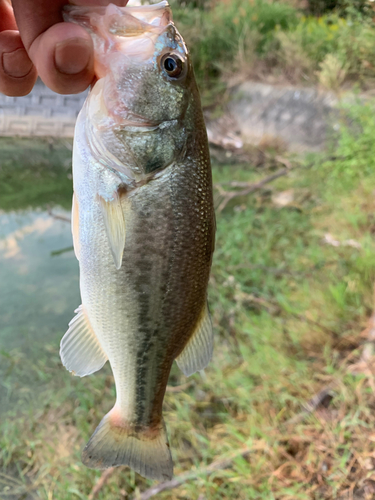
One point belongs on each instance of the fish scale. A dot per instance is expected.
(143, 230)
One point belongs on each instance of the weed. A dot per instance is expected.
(35, 175)
(320, 7)
(228, 32)
(295, 62)
(263, 40)
(332, 72)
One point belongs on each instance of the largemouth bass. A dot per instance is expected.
(143, 229)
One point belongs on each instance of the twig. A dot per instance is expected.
(277, 158)
(55, 253)
(179, 388)
(365, 365)
(272, 270)
(236, 184)
(282, 270)
(284, 161)
(271, 304)
(219, 464)
(312, 322)
(58, 217)
(229, 195)
(102, 481)
(323, 397)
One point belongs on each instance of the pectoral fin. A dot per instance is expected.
(80, 349)
(114, 222)
(198, 351)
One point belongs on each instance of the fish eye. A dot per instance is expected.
(173, 65)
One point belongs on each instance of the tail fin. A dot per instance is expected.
(116, 443)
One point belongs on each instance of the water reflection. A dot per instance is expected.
(38, 288)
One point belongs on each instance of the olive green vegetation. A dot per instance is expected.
(319, 7)
(288, 311)
(36, 174)
(277, 41)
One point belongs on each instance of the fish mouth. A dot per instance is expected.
(128, 120)
(139, 127)
(121, 21)
(130, 30)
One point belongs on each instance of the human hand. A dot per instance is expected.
(34, 41)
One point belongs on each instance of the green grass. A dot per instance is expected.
(288, 312)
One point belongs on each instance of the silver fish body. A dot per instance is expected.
(143, 230)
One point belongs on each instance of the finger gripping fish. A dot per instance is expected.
(143, 229)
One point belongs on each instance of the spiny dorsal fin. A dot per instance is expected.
(198, 351)
(114, 222)
(80, 349)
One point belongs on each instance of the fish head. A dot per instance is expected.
(145, 84)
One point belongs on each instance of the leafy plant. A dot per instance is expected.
(215, 35)
(343, 7)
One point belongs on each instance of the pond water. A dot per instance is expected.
(38, 289)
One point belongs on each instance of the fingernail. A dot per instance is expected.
(17, 63)
(72, 56)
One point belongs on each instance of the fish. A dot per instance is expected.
(143, 226)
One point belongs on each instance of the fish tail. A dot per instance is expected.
(115, 442)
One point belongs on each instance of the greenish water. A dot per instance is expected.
(39, 287)
(39, 290)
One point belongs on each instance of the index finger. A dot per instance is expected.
(17, 73)
(7, 21)
(62, 52)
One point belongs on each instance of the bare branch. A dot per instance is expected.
(102, 481)
(179, 388)
(222, 463)
(58, 217)
(250, 188)
(322, 398)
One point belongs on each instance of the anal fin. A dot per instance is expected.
(80, 349)
(198, 351)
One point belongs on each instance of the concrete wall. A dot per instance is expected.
(41, 113)
(302, 118)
